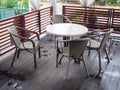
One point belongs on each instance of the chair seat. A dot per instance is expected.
(29, 45)
(93, 44)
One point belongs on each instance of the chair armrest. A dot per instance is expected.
(101, 33)
(97, 31)
(67, 19)
(30, 32)
(93, 36)
(25, 40)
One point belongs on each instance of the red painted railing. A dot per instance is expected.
(92, 18)
(5, 40)
(39, 19)
(45, 15)
(115, 20)
(34, 21)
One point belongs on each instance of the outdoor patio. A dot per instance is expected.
(23, 75)
(48, 77)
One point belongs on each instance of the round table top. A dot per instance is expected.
(66, 29)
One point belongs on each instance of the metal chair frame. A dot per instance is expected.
(23, 40)
(74, 50)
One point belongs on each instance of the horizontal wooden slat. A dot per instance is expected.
(97, 17)
(30, 20)
(116, 20)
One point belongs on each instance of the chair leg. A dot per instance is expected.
(85, 67)
(61, 59)
(54, 38)
(35, 64)
(57, 56)
(39, 54)
(99, 57)
(107, 55)
(88, 52)
(14, 58)
(67, 69)
(18, 54)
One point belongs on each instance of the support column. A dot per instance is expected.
(53, 3)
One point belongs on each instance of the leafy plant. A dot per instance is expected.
(0, 3)
(10, 3)
(112, 1)
(24, 3)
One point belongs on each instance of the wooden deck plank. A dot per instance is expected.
(48, 77)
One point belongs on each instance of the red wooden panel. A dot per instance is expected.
(45, 15)
(116, 20)
(92, 18)
(5, 41)
(33, 21)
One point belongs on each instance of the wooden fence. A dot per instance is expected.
(34, 21)
(38, 20)
(94, 18)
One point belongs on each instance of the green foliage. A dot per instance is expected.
(10, 3)
(25, 3)
(0, 3)
(112, 1)
(108, 1)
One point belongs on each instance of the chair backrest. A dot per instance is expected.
(14, 35)
(59, 19)
(105, 38)
(77, 47)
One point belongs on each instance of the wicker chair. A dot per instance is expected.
(74, 50)
(98, 43)
(59, 19)
(24, 43)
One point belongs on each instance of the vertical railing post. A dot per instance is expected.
(111, 18)
(51, 10)
(22, 21)
(39, 21)
(22, 24)
(63, 12)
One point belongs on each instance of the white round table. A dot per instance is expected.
(66, 29)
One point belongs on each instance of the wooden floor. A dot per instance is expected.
(48, 77)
